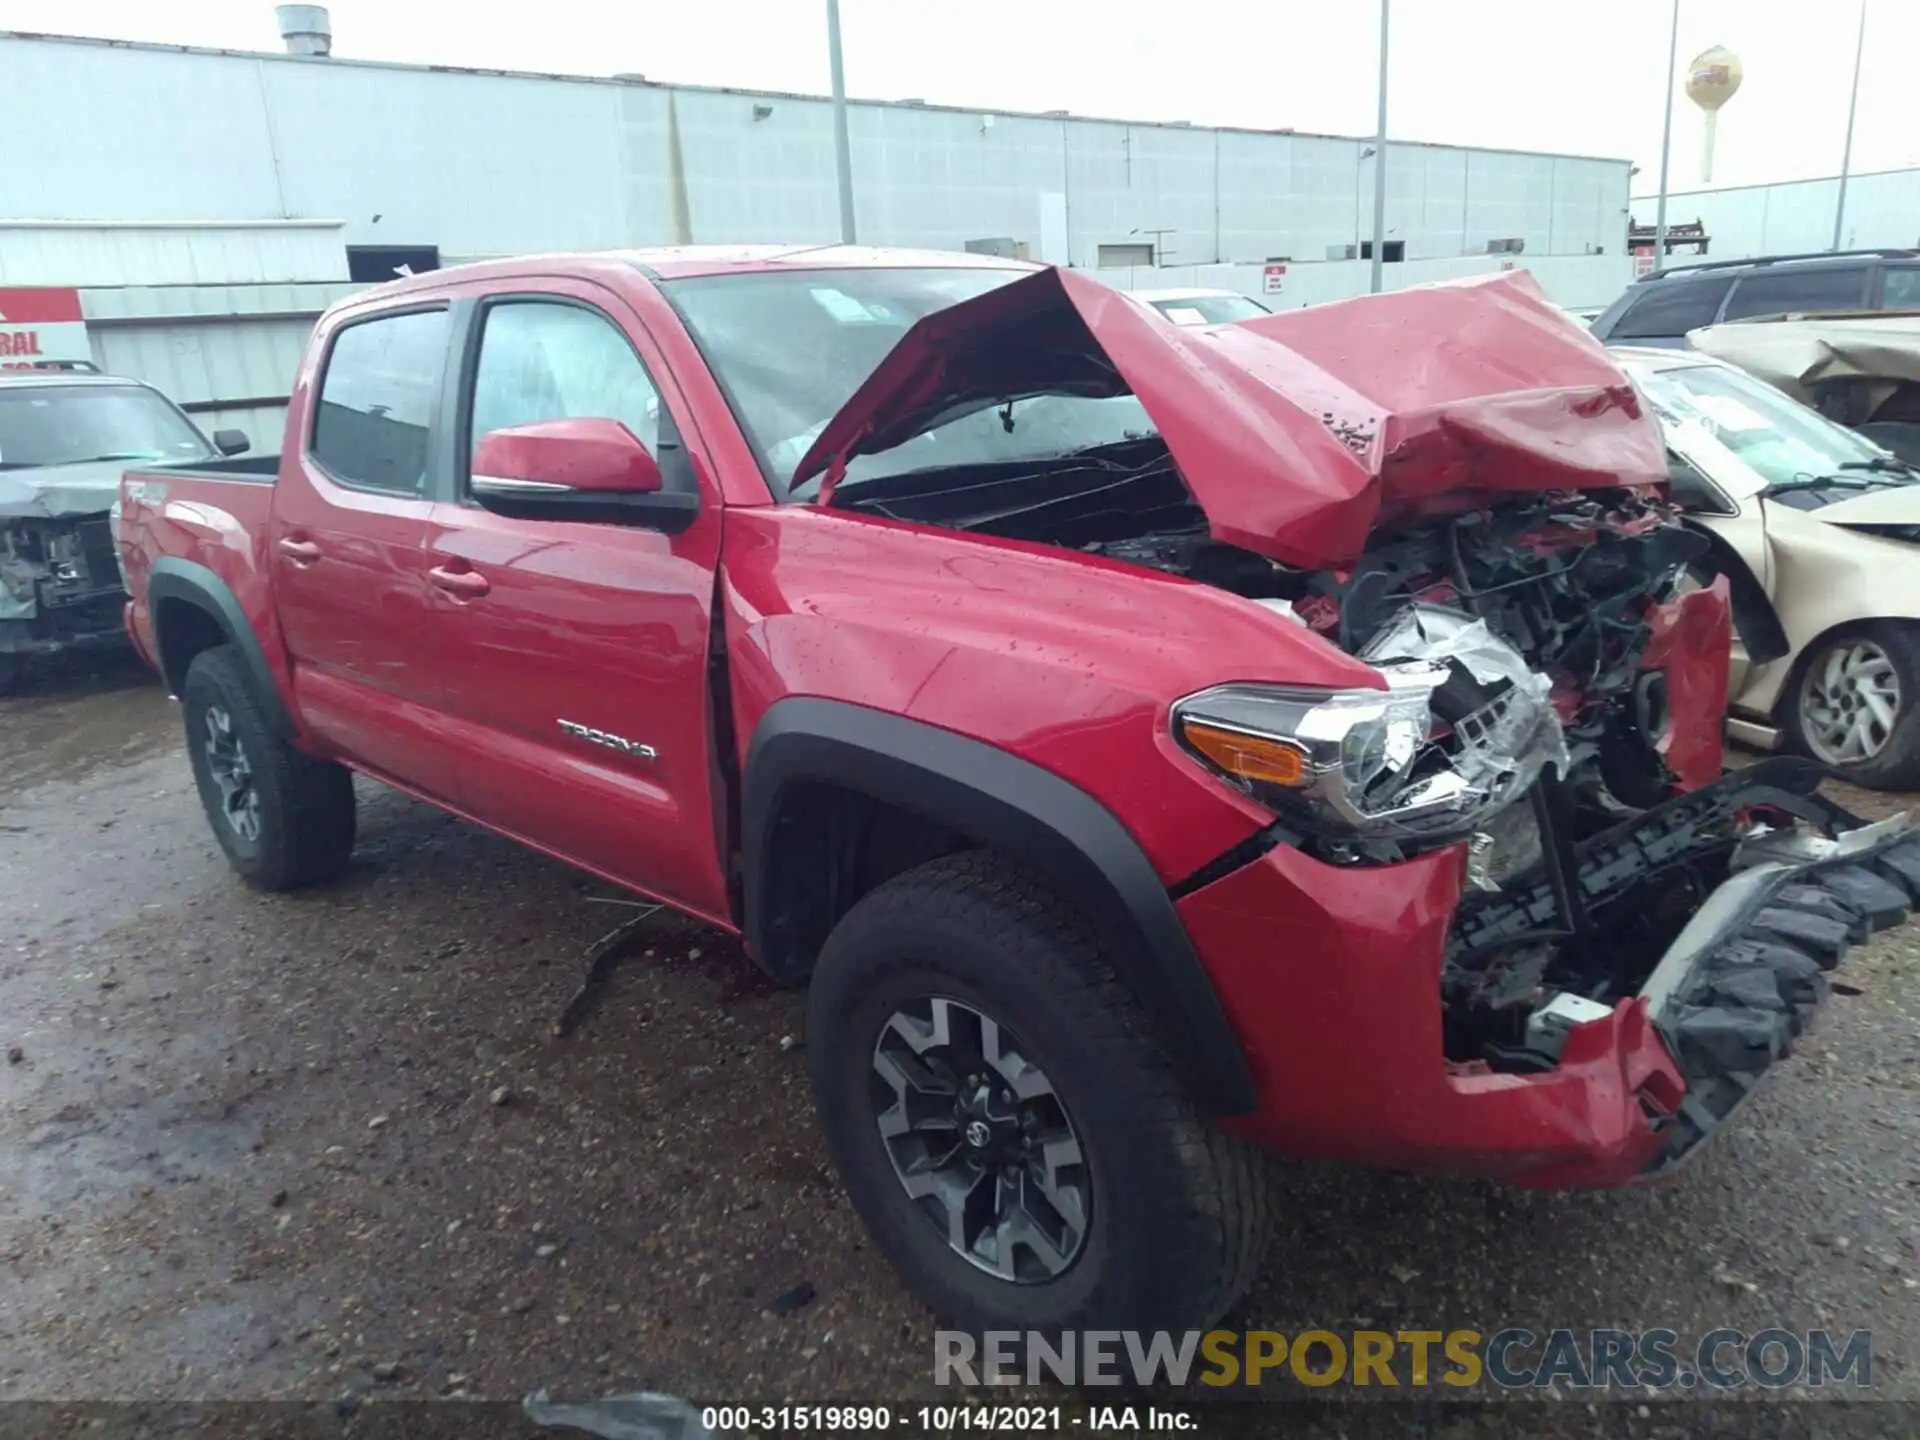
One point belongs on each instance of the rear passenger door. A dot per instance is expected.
(346, 543)
(576, 657)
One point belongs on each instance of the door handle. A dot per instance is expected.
(467, 584)
(301, 552)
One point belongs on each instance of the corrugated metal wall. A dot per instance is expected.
(225, 353)
(215, 315)
(67, 252)
(1883, 209)
(488, 164)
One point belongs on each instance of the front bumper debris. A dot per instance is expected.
(1330, 977)
(1741, 983)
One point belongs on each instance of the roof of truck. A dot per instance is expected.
(681, 262)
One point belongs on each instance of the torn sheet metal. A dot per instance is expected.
(1798, 356)
(1297, 433)
(49, 492)
(1691, 640)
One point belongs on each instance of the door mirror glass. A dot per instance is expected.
(595, 456)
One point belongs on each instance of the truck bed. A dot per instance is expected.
(250, 469)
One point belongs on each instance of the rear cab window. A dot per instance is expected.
(1792, 290)
(1672, 308)
(377, 400)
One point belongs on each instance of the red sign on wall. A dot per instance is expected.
(40, 326)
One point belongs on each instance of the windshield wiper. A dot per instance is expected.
(1880, 465)
(1818, 482)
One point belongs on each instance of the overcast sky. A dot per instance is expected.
(1581, 76)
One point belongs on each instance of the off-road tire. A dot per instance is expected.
(1180, 1212)
(306, 806)
(1897, 765)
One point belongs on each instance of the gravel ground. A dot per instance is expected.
(264, 1147)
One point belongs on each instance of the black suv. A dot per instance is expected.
(1661, 308)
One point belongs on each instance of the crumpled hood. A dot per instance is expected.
(1797, 355)
(1297, 433)
(54, 490)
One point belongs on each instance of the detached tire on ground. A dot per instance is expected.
(1854, 704)
(1006, 1123)
(284, 819)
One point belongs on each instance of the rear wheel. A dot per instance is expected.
(283, 818)
(1853, 706)
(1006, 1123)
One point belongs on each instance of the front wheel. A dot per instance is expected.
(283, 818)
(1006, 1123)
(1853, 706)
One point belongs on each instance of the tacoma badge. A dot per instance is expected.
(612, 742)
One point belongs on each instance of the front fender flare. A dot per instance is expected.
(1024, 812)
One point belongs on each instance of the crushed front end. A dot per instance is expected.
(60, 585)
(1517, 921)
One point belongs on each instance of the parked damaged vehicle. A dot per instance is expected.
(1860, 370)
(65, 438)
(1154, 746)
(1816, 528)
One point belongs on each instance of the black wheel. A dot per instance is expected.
(1852, 704)
(1006, 1123)
(283, 818)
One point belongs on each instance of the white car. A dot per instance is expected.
(1202, 307)
(1816, 528)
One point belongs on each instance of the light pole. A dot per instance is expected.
(1846, 153)
(1666, 145)
(1380, 164)
(842, 151)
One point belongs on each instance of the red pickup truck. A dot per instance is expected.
(1156, 747)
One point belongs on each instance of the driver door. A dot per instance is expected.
(564, 637)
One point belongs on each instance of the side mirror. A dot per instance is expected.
(231, 442)
(586, 469)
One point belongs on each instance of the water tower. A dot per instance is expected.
(1712, 79)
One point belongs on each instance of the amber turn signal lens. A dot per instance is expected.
(1248, 757)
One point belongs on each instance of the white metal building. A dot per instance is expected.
(209, 203)
(482, 162)
(1883, 209)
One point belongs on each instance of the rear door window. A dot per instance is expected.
(1671, 307)
(1900, 288)
(377, 399)
(1789, 291)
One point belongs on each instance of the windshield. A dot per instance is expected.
(789, 348)
(1209, 309)
(1777, 439)
(72, 424)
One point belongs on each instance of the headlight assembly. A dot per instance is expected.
(1430, 757)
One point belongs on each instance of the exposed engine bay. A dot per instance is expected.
(59, 583)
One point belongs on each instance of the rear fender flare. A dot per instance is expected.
(1029, 814)
(185, 581)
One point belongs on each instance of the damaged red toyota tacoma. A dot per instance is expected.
(1157, 748)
